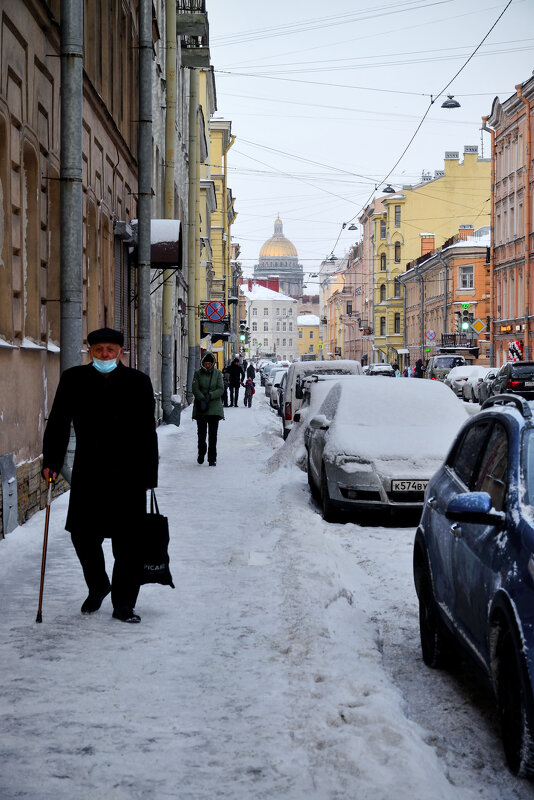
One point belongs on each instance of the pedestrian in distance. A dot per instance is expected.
(226, 384)
(237, 376)
(208, 389)
(251, 372)
(419, 371)
(112, 409)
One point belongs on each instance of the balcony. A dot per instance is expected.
(192, 25)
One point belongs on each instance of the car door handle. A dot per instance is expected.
(432, 502)
(456, 529)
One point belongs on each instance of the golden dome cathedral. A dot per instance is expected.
(278, 246)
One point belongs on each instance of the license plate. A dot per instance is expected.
(529, 383)
(408, 486)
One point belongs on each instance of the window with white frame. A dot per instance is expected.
(254, 326)
(311, 334)
(290, 312)
(277, 312)
(265, 342)
(467, 276)
(300, 334)
(265, 312)
(284, 326)
(397, 216)
(382, 228)
(265, 326)
(254, 312)
(382, 326)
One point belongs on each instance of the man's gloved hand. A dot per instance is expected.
(207, 397)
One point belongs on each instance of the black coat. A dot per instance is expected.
(116, 457)
(236, 373)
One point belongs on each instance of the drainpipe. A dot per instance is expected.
(168, 274)
(71, 183)
(192, 320)
(144, 158)
(226, 228)
(445, 307)
(527, 215)
(492, 241)
(422, 312)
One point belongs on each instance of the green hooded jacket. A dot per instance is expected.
(208, 381)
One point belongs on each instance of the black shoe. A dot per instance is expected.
(93, 601)
(200, 460)
(127, 615)
(213, 463)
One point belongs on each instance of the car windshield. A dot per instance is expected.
(448, 362)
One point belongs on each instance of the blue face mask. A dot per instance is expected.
(104, 366)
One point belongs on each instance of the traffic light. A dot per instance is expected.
(243, 331)
(466, 321)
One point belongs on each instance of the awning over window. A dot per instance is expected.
(165, 243)
(402, 350)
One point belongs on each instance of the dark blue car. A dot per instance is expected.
(474, 563)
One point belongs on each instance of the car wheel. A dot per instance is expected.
(327, 505)
(515, 704)
(435, 642)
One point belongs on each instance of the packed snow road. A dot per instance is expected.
(285, 664)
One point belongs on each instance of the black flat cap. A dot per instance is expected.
(105, 335)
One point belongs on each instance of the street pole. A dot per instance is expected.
(144, 155)
(71, 183)
(167, 310)
(192, 320)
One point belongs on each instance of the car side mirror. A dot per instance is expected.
(475, 507)
(319, 423)
(299, 394)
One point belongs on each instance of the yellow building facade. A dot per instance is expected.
(457, 195)
(308, 335)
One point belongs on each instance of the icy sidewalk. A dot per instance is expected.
(258, 677)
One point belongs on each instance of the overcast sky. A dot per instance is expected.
(325, 97)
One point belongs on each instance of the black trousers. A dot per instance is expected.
(234, 394)
(207, 426)
(124, 585)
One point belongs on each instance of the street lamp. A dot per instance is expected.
(450, 102)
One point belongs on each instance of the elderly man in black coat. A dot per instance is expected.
(116, 460)
(236, 374)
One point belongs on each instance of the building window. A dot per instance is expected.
(284, 326)
(284, 312)
(290, 312)
(349, 308)
(383, 262)
(397, 288)
(382, 228)
(290, 343)
(300, 334)
(265, 326)
(290, 328)
(254, 312)
(382, 326)
(265, 312)
(283, 342)
(265, 342)
(277, 312)
(278, 325)
(397, 216)
(397, 252)
(254, 326)
(467, 278)
(397, 323)
(383, 293)
(310, 349)
(311, 334)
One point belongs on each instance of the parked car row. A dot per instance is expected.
(472, 479)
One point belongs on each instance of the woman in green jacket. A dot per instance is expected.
(208, 388)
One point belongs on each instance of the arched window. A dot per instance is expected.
(383, 262)
(383, 293)
(397, 252)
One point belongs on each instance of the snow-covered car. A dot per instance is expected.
(381, 369)
(378, 450)
(471, 385)
(275, 379)
(484, 389)
(298, 372)
(456, 378)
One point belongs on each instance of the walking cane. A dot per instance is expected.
(39, 617)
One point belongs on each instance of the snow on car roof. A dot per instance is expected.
(406, 419)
